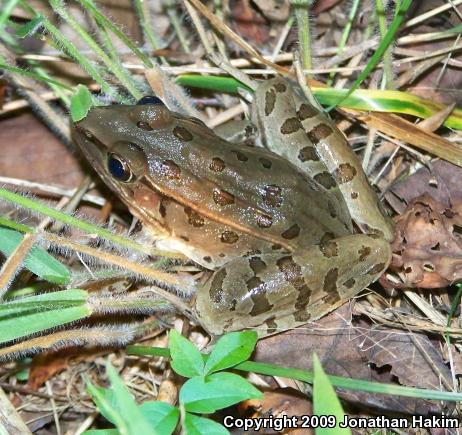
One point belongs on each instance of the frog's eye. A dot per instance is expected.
(119, 169)
(149, 99)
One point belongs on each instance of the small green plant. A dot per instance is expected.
(209, 388)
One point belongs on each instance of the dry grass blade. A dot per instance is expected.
(10, 420)
(405, 131)
(225, 30)
(15, 261)
(139, 269)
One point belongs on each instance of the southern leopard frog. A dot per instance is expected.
(274, 222)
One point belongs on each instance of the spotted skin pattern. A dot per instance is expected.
(274, 222)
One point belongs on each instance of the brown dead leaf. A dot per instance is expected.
(275, 10)
(338, 344)
(427, 250)
(31, 152)
(168, 392)
(277, 403)
(436, 121)
(412, 358)
(324, 5)
(249, 22)
(45, 366)
(442, 181)
(408, 132)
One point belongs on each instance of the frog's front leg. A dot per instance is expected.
(276, 292)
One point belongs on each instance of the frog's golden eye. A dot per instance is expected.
(119, 169)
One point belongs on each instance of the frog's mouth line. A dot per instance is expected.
(150, 184)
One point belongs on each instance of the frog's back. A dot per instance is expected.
(212, 199)
(237, 199)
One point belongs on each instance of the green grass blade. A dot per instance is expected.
(307, 376)
(90, 6)
(345, 34)
(114, 67)
(386, 41)
(325, 402)
(23, 317)
(361, 99)
(387, 59)
(80, 224)
(31, 74)
(66, 46)
(38, 260)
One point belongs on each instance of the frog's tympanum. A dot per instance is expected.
(273, 217)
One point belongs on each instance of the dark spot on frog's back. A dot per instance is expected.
(194, 218)
(264, 221)
(240, 155)
(162, 209)
(291, 232)
(144, 125)
(306, 111)
(326, 180)
(257, 265)
(217, 165)
(170, 169)
(229, 237)
(308, 153)
(257, 290)
(364, 252)
(216, 286)
(332, 209)
(318, 133)
(221, 197)
(329, 249)
(273, 195)
(266, 163)
(330, 281)
(207, 259)
(290, 125)
(302, 316)
(291, 270)
(349, 283)
(345, 173)
(326, 237)
(270, 100)
(280, 87)
(182, 134)
(271, 325)
(376, 268)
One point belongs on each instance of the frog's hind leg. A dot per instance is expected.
(276, 292)
(311, 141)
(241, 132)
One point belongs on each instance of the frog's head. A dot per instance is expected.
(117, 140)
(135, 149)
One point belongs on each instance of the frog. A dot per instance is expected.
(283, 216)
